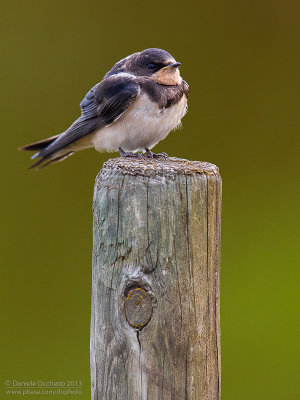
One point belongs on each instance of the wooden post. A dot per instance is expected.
(155, 331)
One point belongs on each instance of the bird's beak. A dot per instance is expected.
(173, 65)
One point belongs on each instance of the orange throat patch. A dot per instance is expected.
(168, 76)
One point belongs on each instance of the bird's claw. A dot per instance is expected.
(149, 154)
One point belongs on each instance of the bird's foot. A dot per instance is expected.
(149, 154)
(128, 153)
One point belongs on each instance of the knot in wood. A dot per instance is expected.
(138, 308)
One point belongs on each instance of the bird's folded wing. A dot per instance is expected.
(102, 106)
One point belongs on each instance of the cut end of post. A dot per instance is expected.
(167, 166)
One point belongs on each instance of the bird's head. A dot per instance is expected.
(155, 64)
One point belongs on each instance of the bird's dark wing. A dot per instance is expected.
(102, 106)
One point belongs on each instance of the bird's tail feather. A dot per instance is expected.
(40, 145)
(48, 159)
(44, 161)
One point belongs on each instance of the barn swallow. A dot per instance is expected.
(137, 103)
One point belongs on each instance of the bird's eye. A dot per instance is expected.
(151, 65)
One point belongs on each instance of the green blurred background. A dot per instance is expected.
(241, 59)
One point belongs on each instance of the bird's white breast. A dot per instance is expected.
(140, 127)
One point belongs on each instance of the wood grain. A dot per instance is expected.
(156, 229)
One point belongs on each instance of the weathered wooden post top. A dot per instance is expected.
(155, 330)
